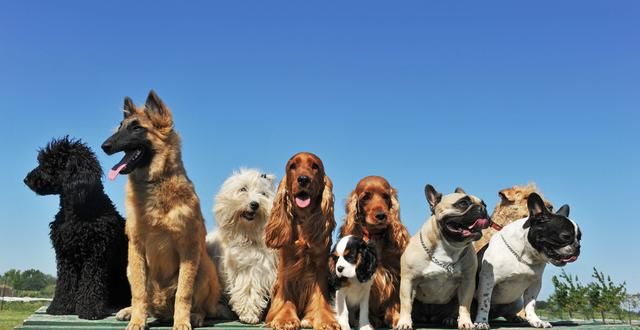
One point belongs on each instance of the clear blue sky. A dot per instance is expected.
(479, 95)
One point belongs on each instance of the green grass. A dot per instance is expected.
(13, 313)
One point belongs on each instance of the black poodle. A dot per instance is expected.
(87, 233)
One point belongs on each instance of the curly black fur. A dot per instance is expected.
(87, 233)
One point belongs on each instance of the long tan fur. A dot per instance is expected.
(169, 271)
(389, 239)
(303, 238)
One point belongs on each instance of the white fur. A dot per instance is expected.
(247, 267)
(507, 283)
(353, 297)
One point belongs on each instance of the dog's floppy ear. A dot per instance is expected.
(460, 191)
(157, 111)
(82, 180)
(367, 262)
(327, 210)
(536, 209)
(433, 197)
(129, 107)
(398, 234)
(352, 210)
(279, 229)
(563, 211)
(333, 278)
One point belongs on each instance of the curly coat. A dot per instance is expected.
(87, 233)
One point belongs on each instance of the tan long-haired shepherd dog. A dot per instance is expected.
(300, 227)
(170, 274)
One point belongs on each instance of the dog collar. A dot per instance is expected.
(448, 266)
(495, 226)
(519, 257)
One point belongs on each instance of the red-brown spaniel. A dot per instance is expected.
(373, 212)
(300, 226)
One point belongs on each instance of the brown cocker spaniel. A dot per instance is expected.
(373, 212)
(300, 227)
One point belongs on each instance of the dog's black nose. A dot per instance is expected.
(254, 205)
(107, 146)
(381, 216)
(26, 180)
(303, 180)
(340, 268)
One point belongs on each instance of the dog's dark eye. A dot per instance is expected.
(292, 166)
(315, 166)
(265, 194)
(138, 128)
(366, 196)
(463, 204)
(386, 197)
(243, 189)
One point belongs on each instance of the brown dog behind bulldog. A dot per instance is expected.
(512, 206)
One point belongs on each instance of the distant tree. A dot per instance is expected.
(569, 295)
(632, 302)
(604, 295)
(33, 280)
(12, 277)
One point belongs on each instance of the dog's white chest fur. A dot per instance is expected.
(511, 276)
(436, 285)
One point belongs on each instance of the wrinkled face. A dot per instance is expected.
(460, 217)
(374, 202)
(305, 181)
(246, 196)
(553, 234)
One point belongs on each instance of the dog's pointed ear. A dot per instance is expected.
(129, 107)
(537, 210)
(433, 197)
(563, 211)
(157, 111)
(279, 229)
(367, 263)
(507, 195)
(460, 191)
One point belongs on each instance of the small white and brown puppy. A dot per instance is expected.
(352, 264)
(439, 264)
(511, 267)
(246, 266)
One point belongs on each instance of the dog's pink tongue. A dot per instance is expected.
(481, 223)
(572, 259)
(302, 203)
(113, 173)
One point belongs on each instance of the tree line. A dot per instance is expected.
(599, 297)
(30, 282)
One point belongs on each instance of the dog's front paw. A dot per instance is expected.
(344, 325)
(537, 323)
(58, 309)
(366, 327)
(249, 319)
(181, 326)
(197, 319)
(481, 326)
(404, 323)
(290, 324)
(91, 312)
(134, 325)
(465, 323)
(124, 314)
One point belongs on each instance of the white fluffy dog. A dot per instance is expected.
(246, 266)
